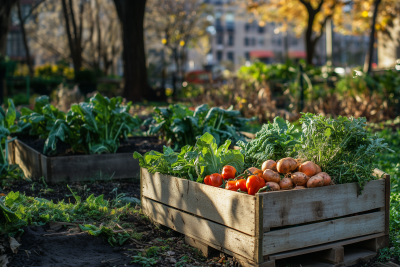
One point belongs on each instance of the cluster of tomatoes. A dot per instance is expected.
(252, 184)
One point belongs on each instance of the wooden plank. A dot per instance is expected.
(199, 228)
(11, 153)
(229, 208)
(333, 255)
(259, 229)
(314, 204)
(28, 160)
(375, 244)
(89, 167)
(387, 203)
(208, 248)
(356, 255)
(297, 252)
(323, 232)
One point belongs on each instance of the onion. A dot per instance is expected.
(286, 165)
(286, 184)
(318, 169)
(299, 187)
(300, 178)
(309, 168)
(271, 176)
(269, 164)
(255, 171)
(315, 181)
(326, 177)
(273, 186)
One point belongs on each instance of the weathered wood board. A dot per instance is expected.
(283, 208)
(198, 227)
(72, 168)
(323, 232)
(232, 209)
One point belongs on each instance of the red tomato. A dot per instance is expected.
(254, 183)
(231, 185)
(241, 184)
(214, 179)
(228, 172)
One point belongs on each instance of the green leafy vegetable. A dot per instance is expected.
(181, 126)
(274, 141)
(342, 147)
(193, 163)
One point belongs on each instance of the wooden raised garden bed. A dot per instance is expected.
(72, 168)
(257, 230)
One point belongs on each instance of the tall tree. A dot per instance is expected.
(74, 29)
(308, 16)
(131, 14)
(5, 13)
(369, 56)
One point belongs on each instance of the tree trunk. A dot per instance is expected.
(131, 14)
(5, 13)
(26, 46)
(369, 56)
(310, 45)
(74, 41)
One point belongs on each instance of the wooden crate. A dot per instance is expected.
(72, 168)
(260, 229)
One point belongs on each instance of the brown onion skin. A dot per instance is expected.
(299, 187)
(286, 165)
(299, 178)
(308, 168)
(326, 177)
(318, 168)
(273, 186)
(286, 184)
(315, 181)
(269, 164)
(271, 176)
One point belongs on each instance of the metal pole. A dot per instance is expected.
(301, 104)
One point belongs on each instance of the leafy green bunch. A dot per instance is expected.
(342, 147)
(100, 124)
(181, 126)
(93, 128)
(193, 163)
(7, 127)
(274, 141)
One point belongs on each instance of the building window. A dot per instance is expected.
(295, 41)
(219, 55)
(220, 38)
(229, 20)
(15, 45)
(230, 56)
(279, 42)
(253, 41)
(246, 41)
(261, 42)
(247, 55)
(247, 27)
(231, 39)
(261, 29)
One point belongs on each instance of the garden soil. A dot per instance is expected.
(132, 144)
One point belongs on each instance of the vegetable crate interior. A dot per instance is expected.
(257, 230)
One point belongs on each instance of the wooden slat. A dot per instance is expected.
(28, 160)
(200, 228)
(323, 232)
(313, 204)
(387, 203)
(297, 252)
(80, 168)
(226, 207)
